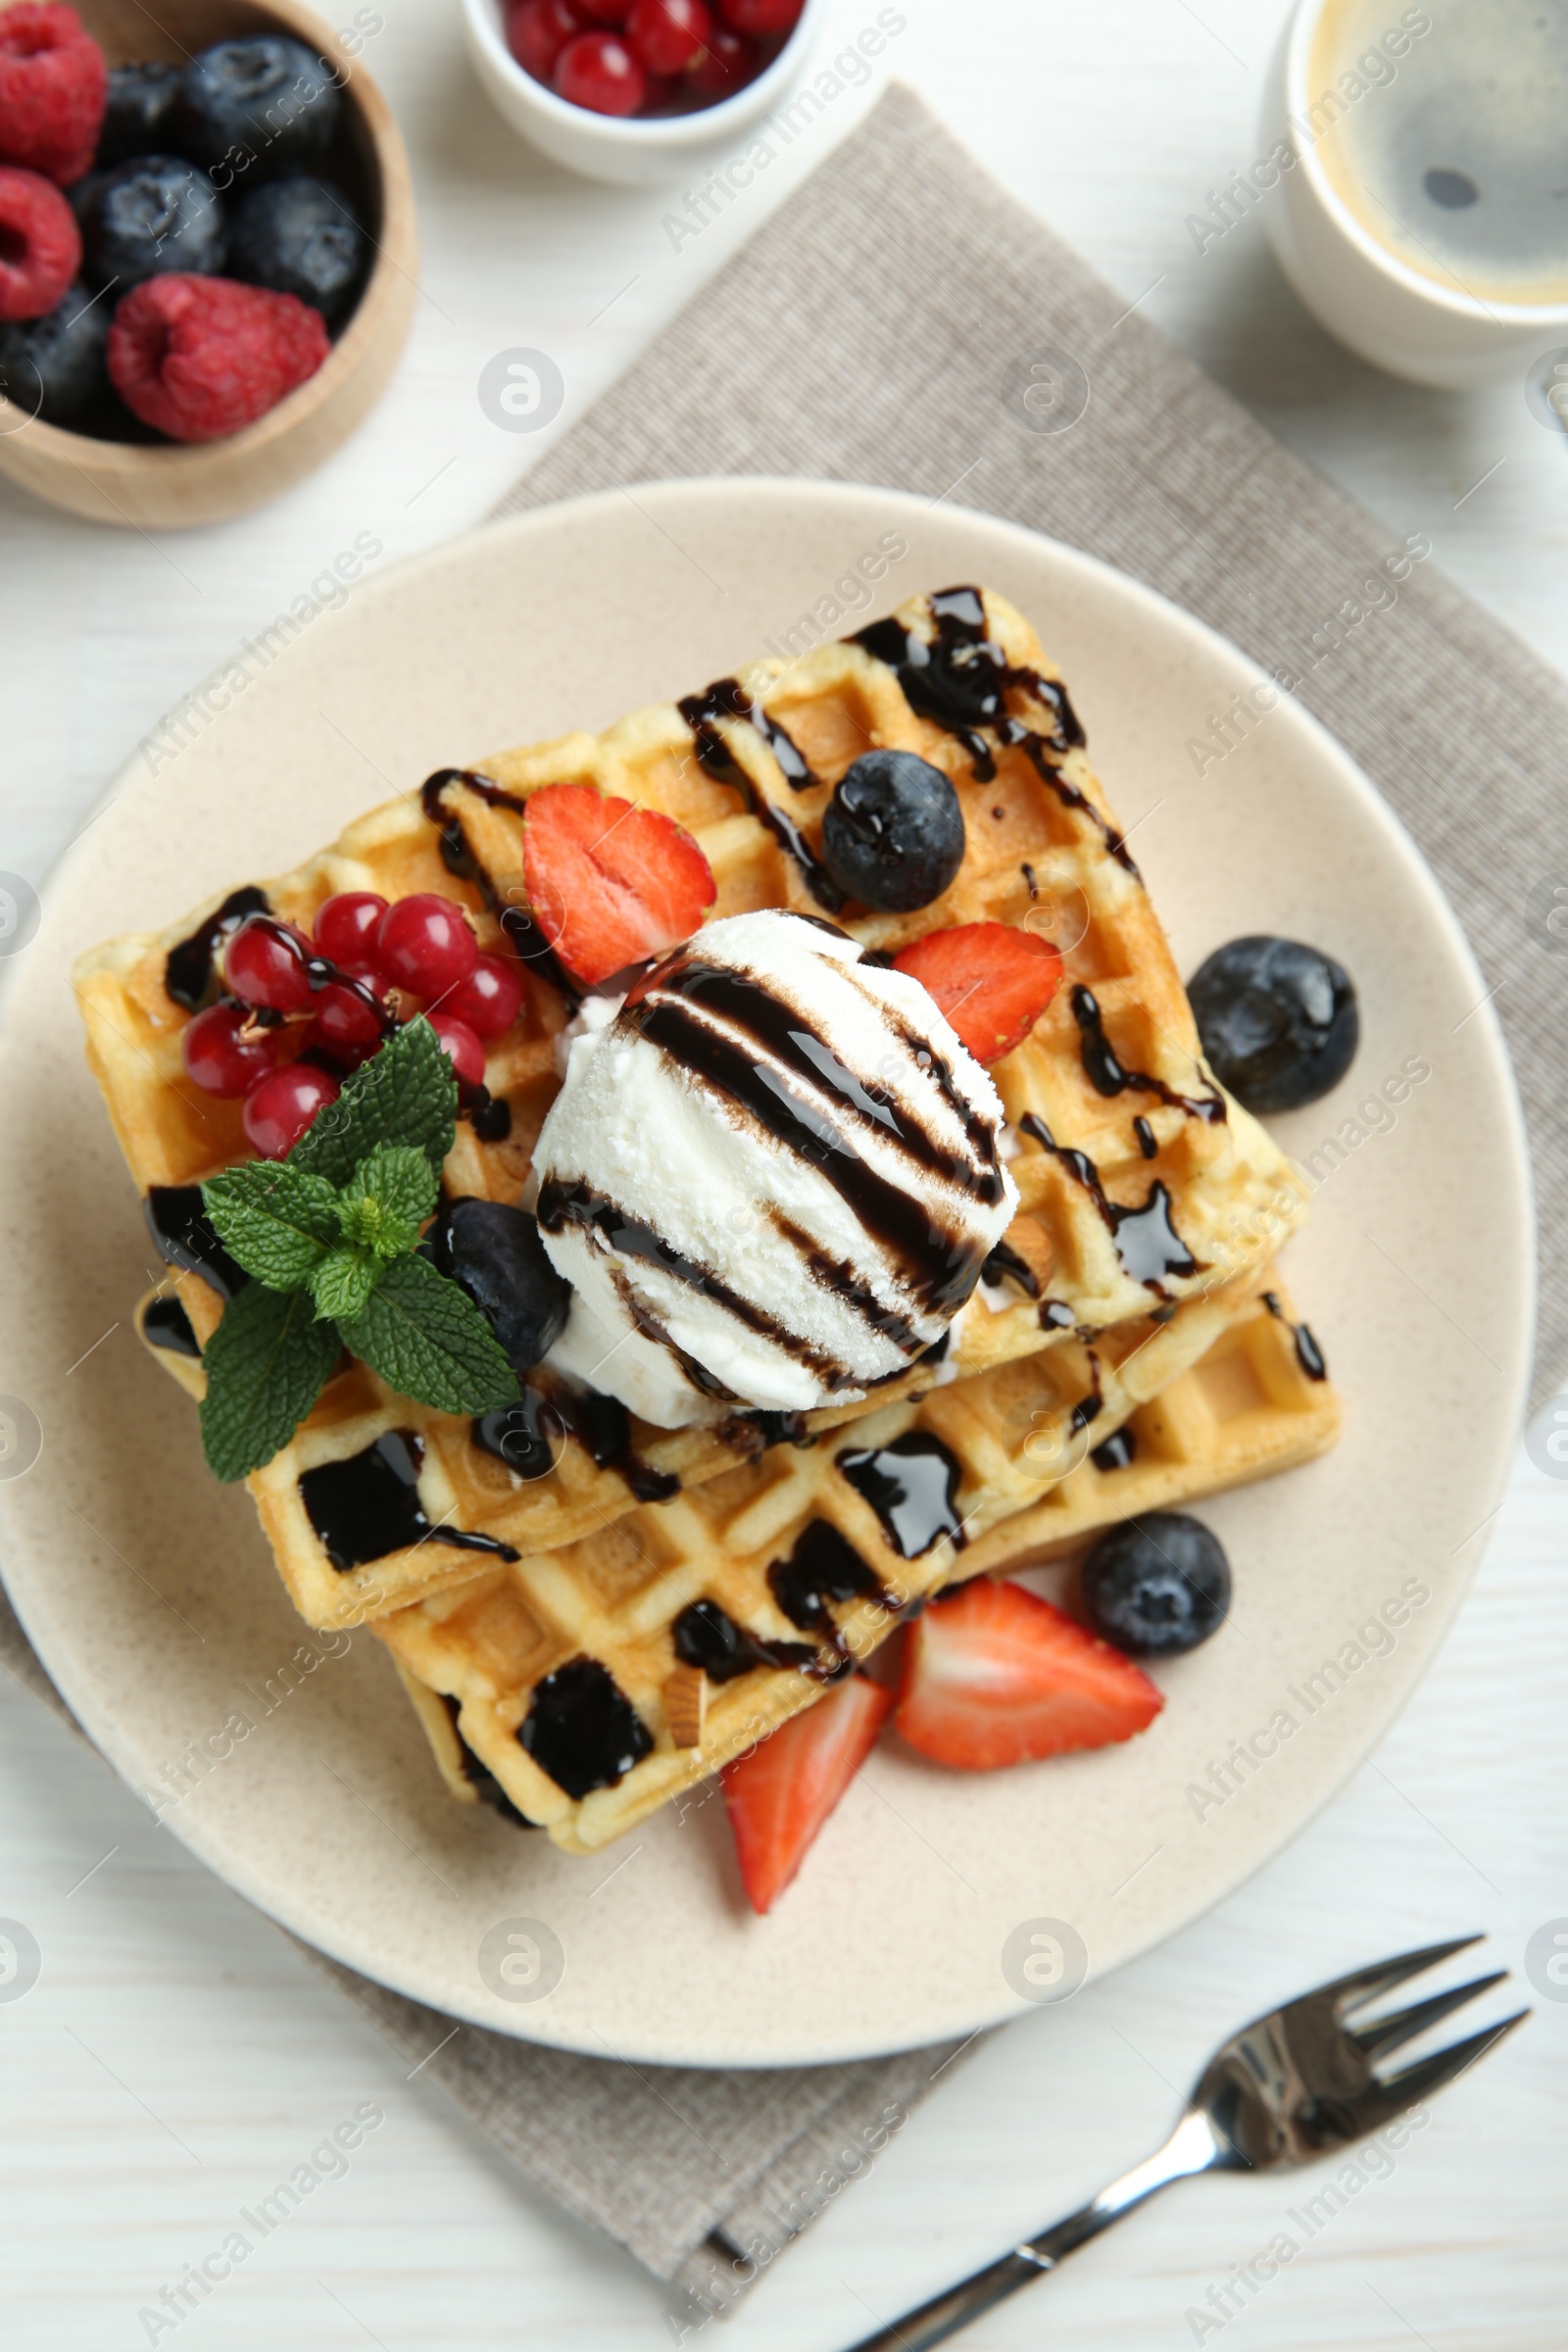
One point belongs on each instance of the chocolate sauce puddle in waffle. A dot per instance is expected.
(601, 1426)
(1089, 1408)
(576, 1204)
(479, 1776)
(167, 1327)
(527, 1436)
(716, 758)
(1117, 1451)
(583, 1730)
(189, 972)
(765, 1045)
(1308, 1354)
(912, 1485)
(708, 1638)
(1108, 1075)
(524, 935)
(1006, 1264)
(1146, 1240)
(825, 1566)
(368, 1506)
(186, 1239)
(1148, 1143)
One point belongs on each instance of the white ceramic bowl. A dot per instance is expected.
(1388, 313)
(634, 149)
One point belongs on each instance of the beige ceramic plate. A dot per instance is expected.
(149, 1590)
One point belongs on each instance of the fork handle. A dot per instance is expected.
(1190, 2148)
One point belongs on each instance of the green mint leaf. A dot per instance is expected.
(387, 1199)
(277, 1221)
(406, 1094)
(342, 1283)
(266, 1363)
(427, 1339)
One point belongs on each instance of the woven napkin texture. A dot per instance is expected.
(870, 332)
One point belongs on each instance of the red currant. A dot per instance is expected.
(760, 17)
(280, 1106)
(458, 1040)
(726, 65)
(219, 1060)
(537, 31)
(264, 964)
(425, 944)
(600, 72)
(490, 998)
(345, 1025)
(668, 35)
(605, 11)
(345, 931)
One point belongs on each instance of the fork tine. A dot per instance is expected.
(1367, 1984)
(1386, 2099)
(1386, 2033)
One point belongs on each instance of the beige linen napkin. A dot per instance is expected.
(883, 327)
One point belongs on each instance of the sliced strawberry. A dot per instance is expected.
(996, 1676)
(610, 883)
(991, 981)
(781, 1793)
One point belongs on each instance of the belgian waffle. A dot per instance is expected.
(640, 1659)
(1136, 1176)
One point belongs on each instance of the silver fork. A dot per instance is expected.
(1291, 2087)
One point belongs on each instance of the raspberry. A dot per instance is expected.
(40, 245)
(200, 356)
(54, 87)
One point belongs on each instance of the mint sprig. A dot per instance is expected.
(329, 1237)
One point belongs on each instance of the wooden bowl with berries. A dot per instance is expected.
(207, 252)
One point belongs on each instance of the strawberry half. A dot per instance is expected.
(991, 981)
(996, 1676)
(610, 883)
(781, 1793)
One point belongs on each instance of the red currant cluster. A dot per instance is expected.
(647, 56)
(339, 983)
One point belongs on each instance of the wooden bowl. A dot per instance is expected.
(174, 486)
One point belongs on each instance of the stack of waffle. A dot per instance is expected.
(647, 1603)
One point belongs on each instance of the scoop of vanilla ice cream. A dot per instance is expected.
(771, 1179)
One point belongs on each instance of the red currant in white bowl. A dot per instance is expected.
(646, 90)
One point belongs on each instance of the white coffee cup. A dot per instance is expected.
(1407, 294)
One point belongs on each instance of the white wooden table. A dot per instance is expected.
(175, 2056)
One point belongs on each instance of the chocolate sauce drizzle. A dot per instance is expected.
(1147, 1143)
(583, 1730)
(527, 1436)
(189, 978)
(1006, 1265)
(368, 1506)
(1117, 1451)
(714, 758)
(709, 1638)
(185, 1237)
(1107, 1076)
(912, 1485)
(528, 942)
(961, 680)
(1308, 1354)
(768, 1061)
(601, 1426)
(479, 1776)
(166, 1326)
(1089, 1408)
(825, 1566)
(1146, 1240)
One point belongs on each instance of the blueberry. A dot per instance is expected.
(494, 1253)
(1277, 1020)
(53, 368)
(893, 836)
(1156, 1586)
(136, 120)
(299, 236)
(260, 106)
(148, 218)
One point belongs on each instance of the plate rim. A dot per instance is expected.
(318, 1932)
